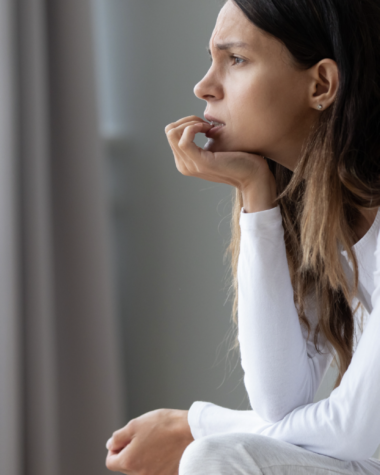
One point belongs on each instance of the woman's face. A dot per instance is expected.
(256, 91)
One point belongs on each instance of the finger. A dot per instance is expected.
(176, 135)
(183, 161)
(186, 142)
(176, 132)
(184, 120)
(122, 461)
(115, 447)
(113, 462)
(119, 443)
(204, 164)
(121, 437)
(190, 153)
(196, 161)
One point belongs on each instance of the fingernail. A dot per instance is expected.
(108, 444)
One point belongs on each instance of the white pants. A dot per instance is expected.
(252, 454)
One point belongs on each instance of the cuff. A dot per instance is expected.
(194, 418)
(260, 220)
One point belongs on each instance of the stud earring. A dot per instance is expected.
(320, 106)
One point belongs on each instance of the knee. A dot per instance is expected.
(213, 454)
(196, 456)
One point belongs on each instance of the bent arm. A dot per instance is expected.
(281, 368)
(346, 425)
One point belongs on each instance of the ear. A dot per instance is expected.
(324, 84)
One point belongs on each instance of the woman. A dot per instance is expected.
(293, 110)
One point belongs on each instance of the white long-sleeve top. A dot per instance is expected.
(283, 370)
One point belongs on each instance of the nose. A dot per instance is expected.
(208, 88)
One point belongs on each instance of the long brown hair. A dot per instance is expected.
(339, 170)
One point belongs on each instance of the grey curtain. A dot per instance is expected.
(60, 391)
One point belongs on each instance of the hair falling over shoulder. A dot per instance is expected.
(339, 171)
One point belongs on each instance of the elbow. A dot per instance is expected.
(276, 410)
(271, 409)
(352, 449)
(270, 414)
(274, 404)
(273, 417)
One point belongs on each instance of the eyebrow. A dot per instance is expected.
(225, 46)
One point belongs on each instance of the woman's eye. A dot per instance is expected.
(233, 57)
(236, 57)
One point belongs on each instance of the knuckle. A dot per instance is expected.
(118, 435)
(131, 426)
(182, 145)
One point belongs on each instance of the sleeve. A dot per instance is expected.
(282, 369)
(346, 425)
(206, 418)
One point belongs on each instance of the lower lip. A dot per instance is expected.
(212, 132)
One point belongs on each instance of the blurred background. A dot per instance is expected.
(113, 284)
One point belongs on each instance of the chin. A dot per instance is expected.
(213, 145)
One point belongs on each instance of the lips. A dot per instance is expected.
(213, 131)
(217, 127)
(210, 118)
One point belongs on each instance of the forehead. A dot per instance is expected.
(233, 26)
(232, 22)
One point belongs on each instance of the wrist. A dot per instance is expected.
(182, 426)
(260, 195)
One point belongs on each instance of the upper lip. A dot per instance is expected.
(210, 118)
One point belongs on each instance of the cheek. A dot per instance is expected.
(262, 111)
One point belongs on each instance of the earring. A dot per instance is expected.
(320, 106)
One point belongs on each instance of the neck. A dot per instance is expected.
(365, 221)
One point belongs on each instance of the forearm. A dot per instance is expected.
(260, 195)
(181, 425)
(279, 375)
(206, 418)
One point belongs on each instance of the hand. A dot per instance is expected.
(248, 172)
(152, 443)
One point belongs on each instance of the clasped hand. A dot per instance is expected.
(150, 444)
(239, 169)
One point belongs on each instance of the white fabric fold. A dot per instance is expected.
(282, 368)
